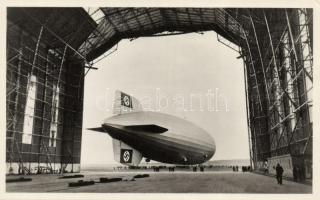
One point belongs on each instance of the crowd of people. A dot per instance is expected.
(200, 168)
(243, 168)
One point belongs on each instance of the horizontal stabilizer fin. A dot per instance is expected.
(98, 129)
(149, 128)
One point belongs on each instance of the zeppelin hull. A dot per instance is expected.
(163, 148)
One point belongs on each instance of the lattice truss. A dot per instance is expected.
(278, 58)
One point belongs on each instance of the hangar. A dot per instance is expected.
(50, 50)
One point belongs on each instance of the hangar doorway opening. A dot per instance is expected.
(184, 75)
(49, 48)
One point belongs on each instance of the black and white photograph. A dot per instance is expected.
(147, 99)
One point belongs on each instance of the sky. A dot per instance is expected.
(192, 76)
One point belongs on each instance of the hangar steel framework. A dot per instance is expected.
(48, 50)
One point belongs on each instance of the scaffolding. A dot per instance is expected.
(280, 86)
(56, 79)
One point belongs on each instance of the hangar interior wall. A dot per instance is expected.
(278, 61)
(44, 104)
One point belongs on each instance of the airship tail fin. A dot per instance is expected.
(124, 103)
(125, 154)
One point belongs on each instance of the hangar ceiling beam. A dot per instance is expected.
(137, 18)
(177, 19)
(124, 21)
(189, 17)
(164, 19)
(150, 18)
(201, 17)
(115, 28)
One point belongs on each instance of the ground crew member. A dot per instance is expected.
(295, 173)
(279, 172)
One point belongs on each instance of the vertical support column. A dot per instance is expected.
(304, 61)
(54, 119)
(252, 104)
(260, 57)
(307, 62)
(16, 99)
(248, 115)
(258, 110)
(44, 110)
(290, 74)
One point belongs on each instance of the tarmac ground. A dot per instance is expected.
(160, 182)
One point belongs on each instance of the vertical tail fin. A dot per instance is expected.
(125, 154)
(124, 103)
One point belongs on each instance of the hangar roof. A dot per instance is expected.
(120, 23)
(71, 25)
(90, 38)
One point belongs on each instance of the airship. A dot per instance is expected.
(138, 134)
